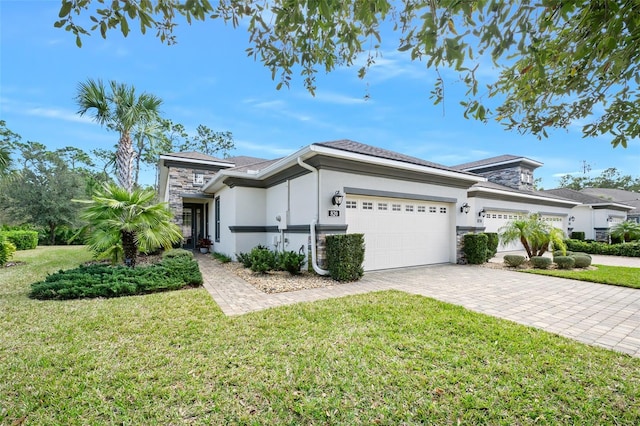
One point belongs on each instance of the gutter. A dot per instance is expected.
(312, 226)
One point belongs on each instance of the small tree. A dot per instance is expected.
(536, 235)
(626, 231)
(131, 219)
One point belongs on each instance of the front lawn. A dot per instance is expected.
(379, 358)
(614, 275)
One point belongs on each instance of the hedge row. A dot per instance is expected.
(7, 248)
(171, 273)
(345, 255)
(625, 249)
(23, 240)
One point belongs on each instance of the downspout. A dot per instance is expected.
(312, 226)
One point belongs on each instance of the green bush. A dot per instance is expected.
(263, 260)
(291, 262)
(475, 248)
(581, 260)
(492, 244)
(245, 259)
(177, 252)
(625, 249)
(577, 235)
(513, 260)
(7, 248)
(540, 262)
(171, 273)
(345, 255)
(564, 262)
(22, 239)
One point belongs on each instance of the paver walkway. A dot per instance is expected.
(596, 314)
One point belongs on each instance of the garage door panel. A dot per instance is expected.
(401, 232)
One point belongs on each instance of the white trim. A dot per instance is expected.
(526, 196)
(502, 163)
(196, 161)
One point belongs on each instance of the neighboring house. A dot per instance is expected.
(593, 216)
(509, 194)
(629, 198)
(411, 211)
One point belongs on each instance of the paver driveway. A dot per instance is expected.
(597, 314)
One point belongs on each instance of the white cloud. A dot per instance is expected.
(262, 149)
(337, 98)
(58, 114)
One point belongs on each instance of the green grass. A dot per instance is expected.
(614, 275)
(386, 358)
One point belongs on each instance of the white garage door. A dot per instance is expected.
(496, 219)
(400, 232)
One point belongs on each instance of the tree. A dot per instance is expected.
(119, 110)
(133, 218)
(609, 178)
(8, 141)
(561, 61)
(41, 192)
(536, 235)
(626, 231)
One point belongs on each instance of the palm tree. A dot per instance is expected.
(125, 222)
(626, 231)
(536, 235)
(122, 111)
(5, 160)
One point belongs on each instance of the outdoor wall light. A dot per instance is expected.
(337, 198)
(572, 218)
(465, 208)
(610, 218)
(482, 213)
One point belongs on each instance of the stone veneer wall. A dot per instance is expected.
(511, 177)
(181, 184)
(461, 231)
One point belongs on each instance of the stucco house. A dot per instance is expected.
(621, 196)
(411, 211)
(593, 216)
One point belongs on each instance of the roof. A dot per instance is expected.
(572, 194)
(360, 148)
(243, 160)
(256, 166)
(497, 186)
(613, 194)
(494, 161)
(196, 156)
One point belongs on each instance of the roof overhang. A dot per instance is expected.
(494, 193)
(225, 177)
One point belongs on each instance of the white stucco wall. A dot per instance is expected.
(584, 221)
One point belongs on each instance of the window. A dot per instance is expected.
(198, 178)
(396, 207)
(422, 209)
(352, 204)
(408, 208)
(217, 219)
(367, 205)
(432, 209)
(443, 209)
(382, 206)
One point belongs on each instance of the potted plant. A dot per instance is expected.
(204, 244)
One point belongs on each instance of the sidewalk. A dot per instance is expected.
(597, 314)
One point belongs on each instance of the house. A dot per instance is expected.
(411, 211)
(593, 216)
(509, 194)
(622, 196)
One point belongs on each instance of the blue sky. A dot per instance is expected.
(208, 79)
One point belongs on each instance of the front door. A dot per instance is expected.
(193, 228)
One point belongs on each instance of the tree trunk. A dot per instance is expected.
(124, 162)
(129, 248)
(52, 233)
(525, 244)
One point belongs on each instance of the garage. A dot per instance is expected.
(401, 232)
(496, 219)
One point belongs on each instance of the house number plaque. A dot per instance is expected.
(334, 213)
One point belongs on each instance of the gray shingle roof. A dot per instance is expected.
(257, 166)
(612, 194)
(360, 148)
(489, 161)
(545, 194)
(576, 196)
(244, 160)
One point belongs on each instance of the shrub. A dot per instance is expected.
(540, 262)
(177, 252)
(513, 260)
(564, 262)
(7, 248)
(577, 235)
(245, 259)
(581, 260)
(626, 249)
(492, 244)
(291, 262)
(345, 254)
(475, 248)
(22, 239)
(263, 260)
(107, 281)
